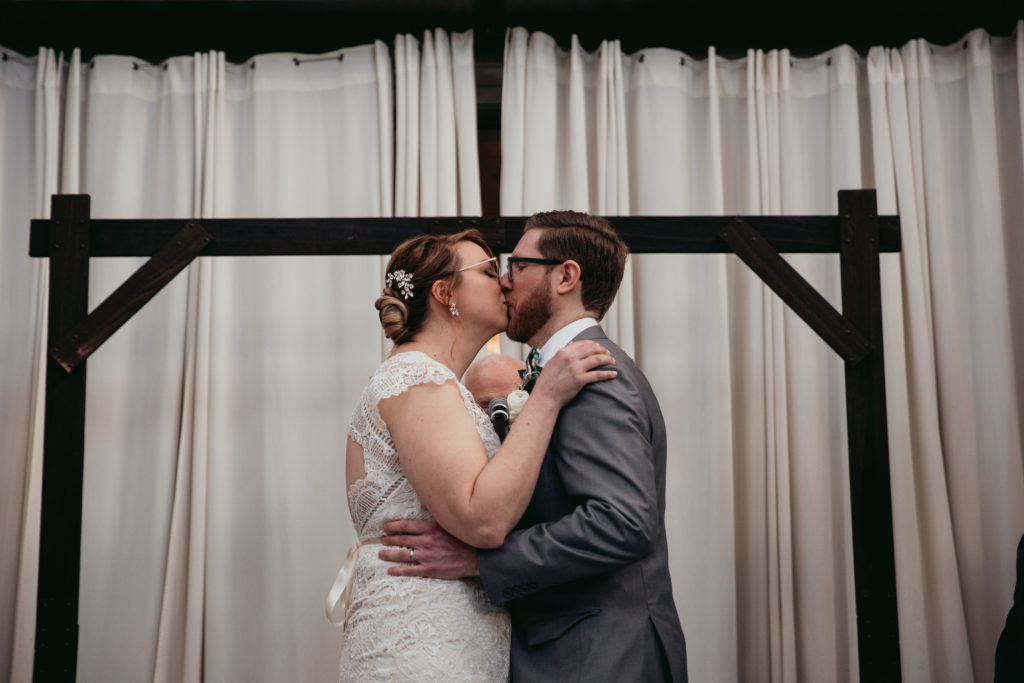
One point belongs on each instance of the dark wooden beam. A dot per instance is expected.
(63, 449)
(878, 637)
(838, 332)
(338, 236)
(86, 336)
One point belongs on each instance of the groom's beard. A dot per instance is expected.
(530, 315)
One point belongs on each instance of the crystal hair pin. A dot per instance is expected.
(402, 281)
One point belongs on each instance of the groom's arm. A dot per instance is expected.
(438, 554)
(606, 461)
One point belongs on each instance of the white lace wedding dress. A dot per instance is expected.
(405, 628)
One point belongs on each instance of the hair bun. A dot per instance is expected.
(394, 316)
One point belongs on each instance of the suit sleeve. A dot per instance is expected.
(605, 458)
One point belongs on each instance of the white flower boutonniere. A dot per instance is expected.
(516, 401)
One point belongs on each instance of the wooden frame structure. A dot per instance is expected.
(70, 237)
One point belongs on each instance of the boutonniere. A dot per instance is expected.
(516, 401)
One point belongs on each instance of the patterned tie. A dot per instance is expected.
(532, 359)
(529, 375)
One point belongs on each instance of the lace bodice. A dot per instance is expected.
(410, 629)
(384, 493)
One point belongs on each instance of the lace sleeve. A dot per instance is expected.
(395, 376)
(403, 373)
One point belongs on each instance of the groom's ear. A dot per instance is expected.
(569, 273)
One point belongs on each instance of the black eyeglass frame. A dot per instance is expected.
(512, 260)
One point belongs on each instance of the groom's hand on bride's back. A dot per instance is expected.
(435, 553)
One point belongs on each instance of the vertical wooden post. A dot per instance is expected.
(56, 651)
(870, 494)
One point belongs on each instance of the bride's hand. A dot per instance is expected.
(572, 368)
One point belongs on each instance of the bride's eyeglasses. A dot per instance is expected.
(491, 272)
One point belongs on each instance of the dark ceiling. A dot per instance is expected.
(156, 29)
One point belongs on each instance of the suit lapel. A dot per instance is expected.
(548, 496)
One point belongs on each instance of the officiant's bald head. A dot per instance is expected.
(492, 375)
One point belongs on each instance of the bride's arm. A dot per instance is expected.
(476, 499)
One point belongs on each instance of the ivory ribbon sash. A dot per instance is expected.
(341, 591)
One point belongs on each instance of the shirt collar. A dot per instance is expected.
(563, 337)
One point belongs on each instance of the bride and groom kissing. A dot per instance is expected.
(542, 557)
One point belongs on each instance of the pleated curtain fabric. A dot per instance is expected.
(437, 167)
(30, 89)
(215, 509)
(952, 118)
(759, 518)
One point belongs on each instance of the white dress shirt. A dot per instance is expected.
(563, 337)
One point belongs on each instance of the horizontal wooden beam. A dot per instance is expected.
(341, 236)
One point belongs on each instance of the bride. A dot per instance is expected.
(420, 447)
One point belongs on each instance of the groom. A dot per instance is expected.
(585, 573)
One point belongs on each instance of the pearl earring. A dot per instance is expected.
(451, 309)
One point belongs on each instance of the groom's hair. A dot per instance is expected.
(589, 241)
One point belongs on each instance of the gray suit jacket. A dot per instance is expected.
(585, 573)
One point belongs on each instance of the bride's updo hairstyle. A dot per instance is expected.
(415, 266)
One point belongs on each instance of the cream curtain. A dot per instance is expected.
(215, 512)
(952, 117)
(437, 168)
(30, 90)
(759, 520)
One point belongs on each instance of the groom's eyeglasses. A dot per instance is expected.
(518, 263)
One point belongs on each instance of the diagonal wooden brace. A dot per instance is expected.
(837, 331)
(87, 336)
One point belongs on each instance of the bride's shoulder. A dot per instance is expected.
(404, 361)
(406, 369)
